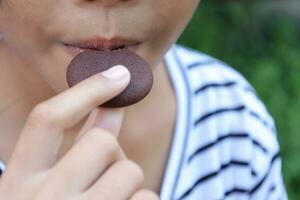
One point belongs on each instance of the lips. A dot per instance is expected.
(101, 44)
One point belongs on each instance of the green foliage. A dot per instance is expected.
(264, 46)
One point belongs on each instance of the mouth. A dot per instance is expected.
(100, 44)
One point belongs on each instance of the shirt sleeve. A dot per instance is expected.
(266, 181)
(233, 151)
(265, 164)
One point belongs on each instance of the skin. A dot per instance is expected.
(40, 122)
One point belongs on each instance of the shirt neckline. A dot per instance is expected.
(2, 166)
(175, 158)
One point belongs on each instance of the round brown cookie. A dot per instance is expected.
(92, 62)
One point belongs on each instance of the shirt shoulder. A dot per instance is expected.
(216, 86)
(232, 148)
(203, 68)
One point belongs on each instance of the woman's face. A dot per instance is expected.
(46, 34)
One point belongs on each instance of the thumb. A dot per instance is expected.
(109, 119)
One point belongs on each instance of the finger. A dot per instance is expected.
(120, 181)
(87, 160)
(42, 135)
(109, 119)
(81, 99)
(145, 195)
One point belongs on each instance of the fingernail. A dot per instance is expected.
(115, 73)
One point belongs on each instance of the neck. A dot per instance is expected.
(19, 83)
(19, 94)
(147, 130)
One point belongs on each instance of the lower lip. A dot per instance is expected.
(74, 51)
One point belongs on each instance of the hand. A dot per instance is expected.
(94, 168)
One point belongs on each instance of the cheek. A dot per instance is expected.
(23, 24)
(178, 13)
(171, 17)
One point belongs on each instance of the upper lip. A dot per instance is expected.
(100, 43)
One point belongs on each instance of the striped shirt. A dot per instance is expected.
(224, 144)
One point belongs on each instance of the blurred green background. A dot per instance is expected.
(261, 39)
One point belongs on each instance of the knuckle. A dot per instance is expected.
(106, 140)
(96, 78)
(98, 82)
(95, 82)
(42, 113)
(132, 169)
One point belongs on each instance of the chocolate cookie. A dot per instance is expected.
(92, 62)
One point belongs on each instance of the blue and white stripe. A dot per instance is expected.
(2, 167)
(224, 144)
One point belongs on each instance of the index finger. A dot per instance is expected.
(42, 135)
(69, 107)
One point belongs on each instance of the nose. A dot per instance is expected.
(109, 3)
